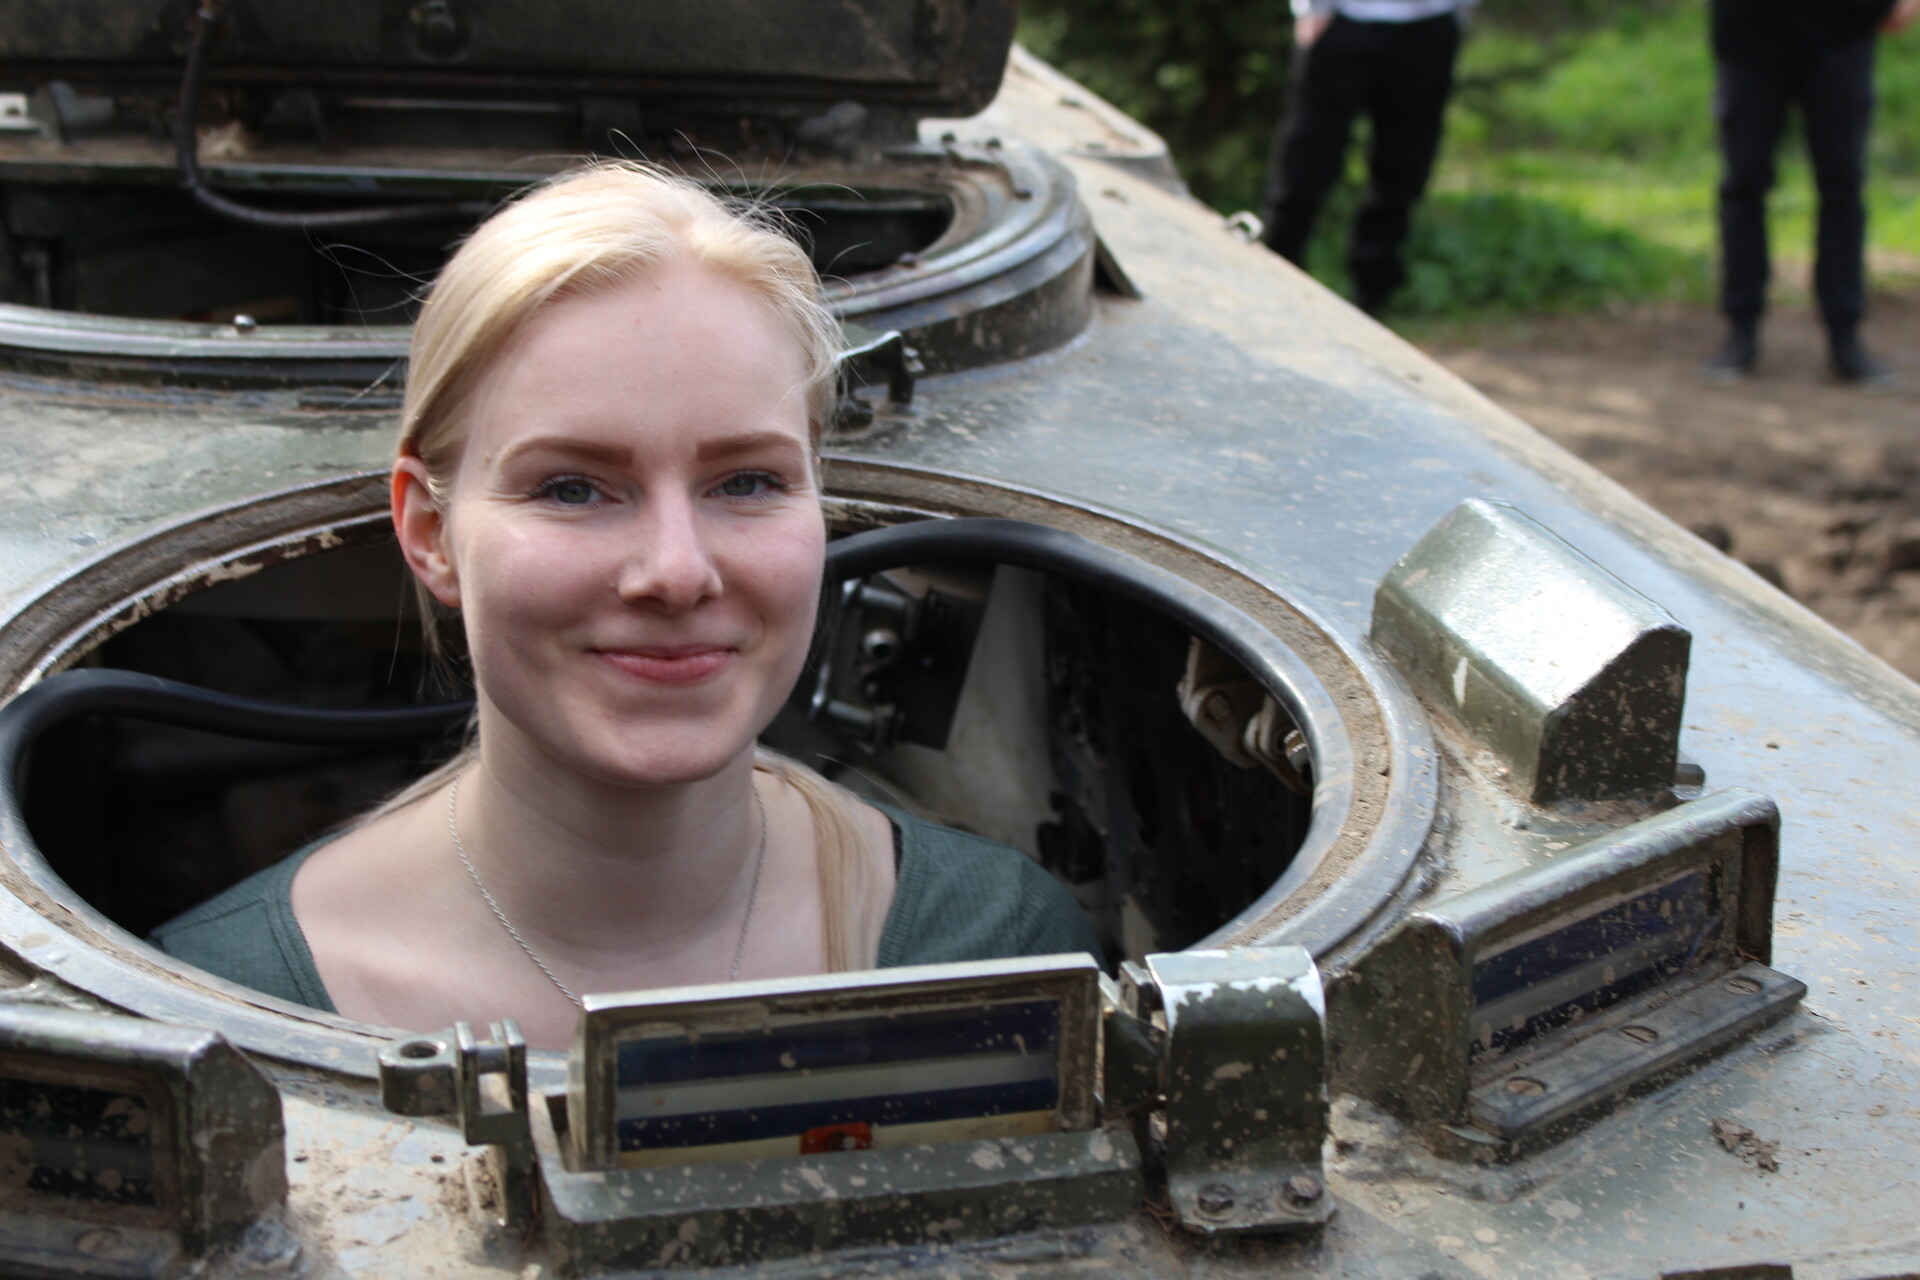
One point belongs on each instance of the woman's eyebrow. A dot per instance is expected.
(613, 455)
(748, 442)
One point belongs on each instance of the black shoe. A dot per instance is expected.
(1736, 358)
(1851, 362)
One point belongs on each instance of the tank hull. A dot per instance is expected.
(1237, 411)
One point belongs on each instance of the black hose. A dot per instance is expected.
(187, 154)
(72, 694)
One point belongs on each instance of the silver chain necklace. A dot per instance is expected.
(746, 921)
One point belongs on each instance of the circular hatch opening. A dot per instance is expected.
(1039, 707)
(977, 254)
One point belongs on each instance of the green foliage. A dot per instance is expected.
(1896, 132)
(1640, 87)
(1579, 163)
(1478, 253)
(1207, 75)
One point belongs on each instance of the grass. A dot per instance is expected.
(1579, 166)
(1580, 172)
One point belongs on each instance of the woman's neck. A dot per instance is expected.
(589, 867)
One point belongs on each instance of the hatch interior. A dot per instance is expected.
(1032, 709)
(146, 253)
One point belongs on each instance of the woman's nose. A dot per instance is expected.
(669, 564)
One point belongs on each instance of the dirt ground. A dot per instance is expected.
(1813, 484)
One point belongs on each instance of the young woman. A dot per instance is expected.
(609, 465)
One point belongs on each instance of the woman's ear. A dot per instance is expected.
(421, 528)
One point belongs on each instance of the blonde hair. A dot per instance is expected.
(587, 229)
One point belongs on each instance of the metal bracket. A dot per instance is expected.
(1632, 1048)
(484, 1082)
(1246, 1088)
(1240, 719)
(1532, 1004)
(870, 359)
(894, 657)
(1133, 1051)
(888, 620)
(1573, 681)
(132, 1147)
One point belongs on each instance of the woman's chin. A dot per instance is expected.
(664, 759)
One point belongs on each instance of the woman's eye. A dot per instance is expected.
(748, 484)
(570, 491)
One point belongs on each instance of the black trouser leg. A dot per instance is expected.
(1407, 107)
(1837, 101)
(1750, 106)
(1310, 146)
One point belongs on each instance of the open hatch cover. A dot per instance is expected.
(768, 58)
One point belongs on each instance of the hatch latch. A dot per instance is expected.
(484, 1083)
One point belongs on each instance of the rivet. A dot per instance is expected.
(1301, 1190)
(1215, 1199)
(1527, 1086)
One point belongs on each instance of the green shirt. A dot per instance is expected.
(958, 897)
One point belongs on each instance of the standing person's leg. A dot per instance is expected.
(1750, 106)
(1310, 146)
(1837, 99)
(1408, 107)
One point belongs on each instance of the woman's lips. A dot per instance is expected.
(677, 665)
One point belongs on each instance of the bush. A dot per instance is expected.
(1641, 87)
(1207, 75)
(1499, 253)
(1579, 160)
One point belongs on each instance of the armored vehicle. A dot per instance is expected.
(1494, 879)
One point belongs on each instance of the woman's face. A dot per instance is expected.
(633, 530)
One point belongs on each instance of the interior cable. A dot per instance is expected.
(187, 152)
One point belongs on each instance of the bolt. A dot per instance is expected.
(1217, 705)
(1745, 986)
(949, 137)
(245, 323)
(1640, 1035)
(1215, 1199)
(1526, 1086)
(1301, 1190)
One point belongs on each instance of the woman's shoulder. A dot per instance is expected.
(248, 935)
(965, 897)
